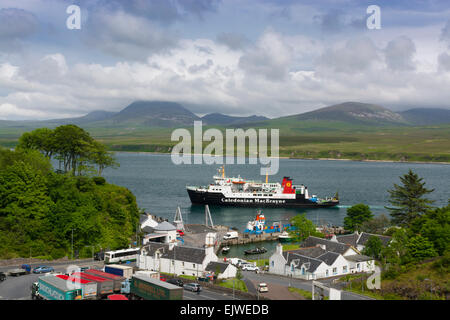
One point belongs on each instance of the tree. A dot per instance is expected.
(373, 247)
(421, 248)
(303, 228)
(376, 225)
(407, 199)
(435, 226)
(356, 216)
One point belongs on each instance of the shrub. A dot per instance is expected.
(100, 181)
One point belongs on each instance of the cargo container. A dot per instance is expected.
(123, 271)
(148, 273)
(146, 288)
(53, 288)
(104, 286)
(89, 288)
(117, 280)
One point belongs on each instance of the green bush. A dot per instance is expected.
(100, 181)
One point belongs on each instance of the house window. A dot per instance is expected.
(273, 263)
(173, 262)
(182, 264)
(357, 266)
(303, 271)
(344, 269)
(327, 273)
(193, 265)
(334, 271)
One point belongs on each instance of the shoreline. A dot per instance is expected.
(295, 158)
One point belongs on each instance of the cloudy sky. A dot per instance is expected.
(239, 57)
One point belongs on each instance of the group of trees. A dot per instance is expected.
(419, 231)
(41, 209)
(75, 150)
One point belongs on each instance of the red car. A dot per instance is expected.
(162, 278)
(180, 232)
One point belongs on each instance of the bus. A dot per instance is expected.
(121, 256)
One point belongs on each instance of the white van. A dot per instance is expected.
(231, 235)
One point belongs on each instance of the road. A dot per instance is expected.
(296, 283)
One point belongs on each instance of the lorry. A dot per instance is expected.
(104, 286)
(231, 235)
(51, 287)
(146, 288)
(123, 271)
(117, 280)
(89, 288)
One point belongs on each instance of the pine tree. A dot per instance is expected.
(407, 200)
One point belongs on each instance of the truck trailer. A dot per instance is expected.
(104, 286)
(117, 280)
(89, 288)
(53, 288)
(123, 271)
(146, 288)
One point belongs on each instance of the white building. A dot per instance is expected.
(169, 258)
(163, 232)
(319, 258)
(225, 270)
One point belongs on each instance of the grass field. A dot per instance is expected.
(307, 140)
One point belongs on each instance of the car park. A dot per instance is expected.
(194, 287)
(43, 269)
(176, 282)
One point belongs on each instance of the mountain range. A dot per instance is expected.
(166, 114)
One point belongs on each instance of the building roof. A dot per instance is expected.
(180, 253)
(142, 218)
(364, 237)
(312, 252)
(165, 226)
(213, 266)
(147, 229)
(351, 239)
(356, 238)
(329, 257)
(329, 245)
(311, 263)
(358, 258)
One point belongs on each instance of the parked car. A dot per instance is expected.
(250, 267)
(2, 276)
(262, 287)
(43, 269)
(161, 278)
(194, 287)
(176, 282)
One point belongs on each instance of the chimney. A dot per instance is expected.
(171, 246)
(279, 248)
(324, 247)
(333, 238)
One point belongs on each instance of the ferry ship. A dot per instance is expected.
(232, 191)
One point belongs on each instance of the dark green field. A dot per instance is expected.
(298, 139)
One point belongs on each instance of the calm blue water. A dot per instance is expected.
(160, 186)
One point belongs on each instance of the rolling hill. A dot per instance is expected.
(222, 119)
(353, 113)
(426, 116)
